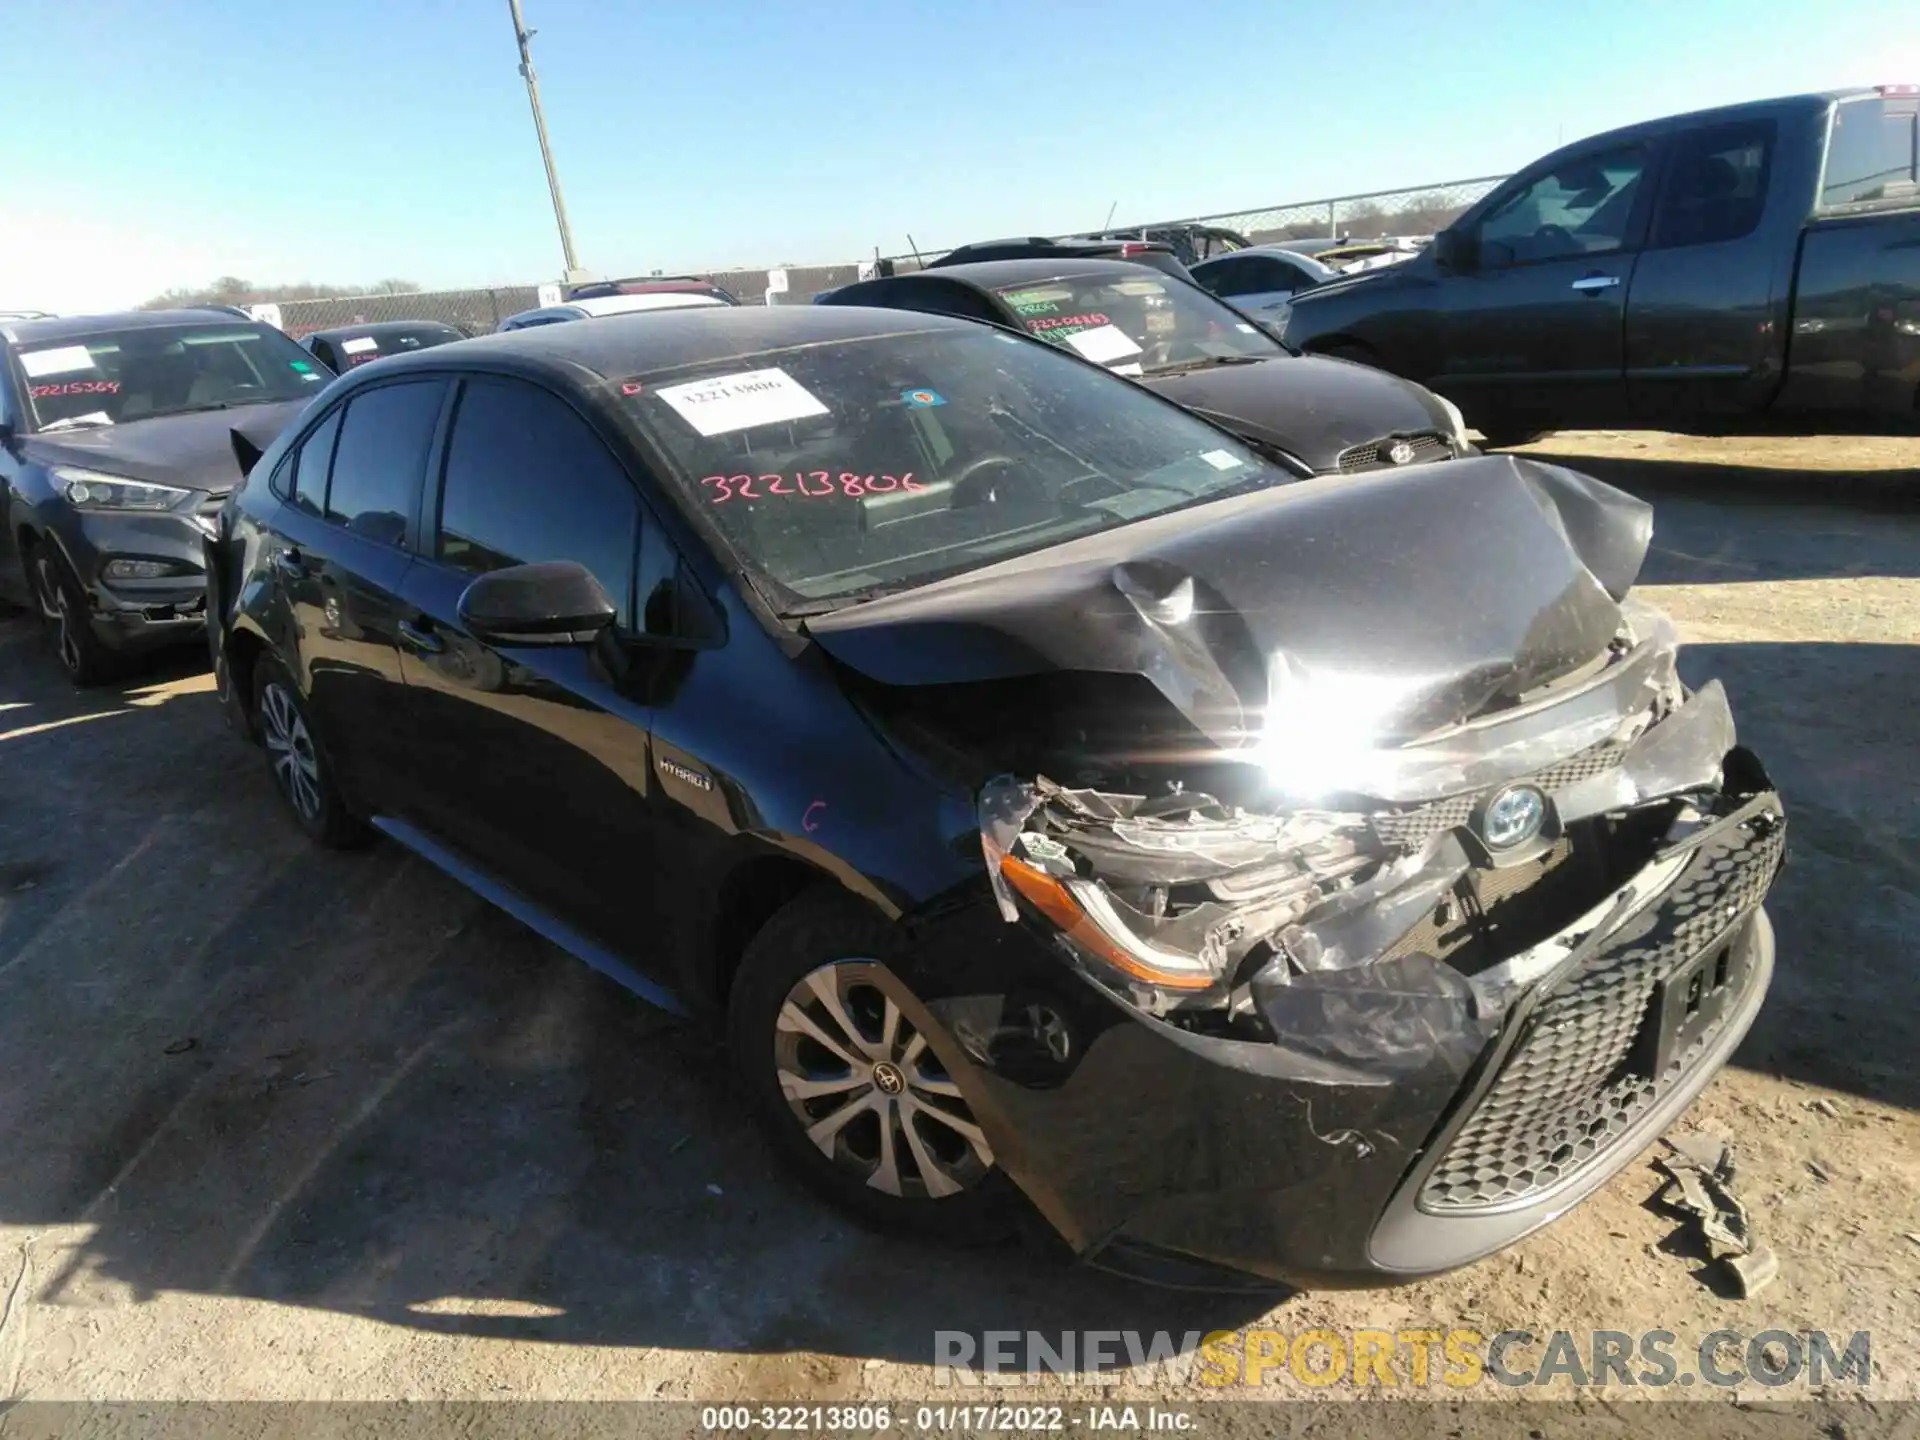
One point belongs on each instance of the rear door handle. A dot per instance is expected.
(1587, 284)
(414, 637)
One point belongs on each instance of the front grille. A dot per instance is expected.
(1571, 1087)
(1414, 826)
(1374, 454)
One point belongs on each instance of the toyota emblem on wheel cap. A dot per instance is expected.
(1400, 452)
(1513, 817)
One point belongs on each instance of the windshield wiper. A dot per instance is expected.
(826, 604)
(1207, 362)
(74, 422)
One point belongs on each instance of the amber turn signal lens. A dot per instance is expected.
(1053, 900)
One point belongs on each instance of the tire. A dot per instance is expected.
(63, 612)
(810, 975)
(297, 760)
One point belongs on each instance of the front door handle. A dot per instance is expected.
(414, 637)
(1588, 284)
(290, 562)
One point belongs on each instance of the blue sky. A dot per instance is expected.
(163, 142)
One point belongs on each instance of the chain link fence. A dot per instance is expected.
(477, 312)
(1417, 210)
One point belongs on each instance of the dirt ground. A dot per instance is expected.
(278, 1124)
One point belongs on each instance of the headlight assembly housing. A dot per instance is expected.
(96, 490)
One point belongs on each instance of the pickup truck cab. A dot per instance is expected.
(1750, 268)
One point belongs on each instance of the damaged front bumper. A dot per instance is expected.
(1392, 1124)
(1365, 1044)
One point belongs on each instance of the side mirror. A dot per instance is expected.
(554, 603)
(1454, 250)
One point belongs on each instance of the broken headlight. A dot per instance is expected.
(1163, 897)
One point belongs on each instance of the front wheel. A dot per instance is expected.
(847, 1087)
(301, 771)
(63, 613)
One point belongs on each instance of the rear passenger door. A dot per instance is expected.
(341, 546)
(533, 759)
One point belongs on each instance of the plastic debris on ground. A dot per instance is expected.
(1699, 1172)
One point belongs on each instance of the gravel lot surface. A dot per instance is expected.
(279, 1124)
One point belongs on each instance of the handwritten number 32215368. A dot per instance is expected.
(806, 484)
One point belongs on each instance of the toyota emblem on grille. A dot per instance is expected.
(1513, 817)
(1400, 452)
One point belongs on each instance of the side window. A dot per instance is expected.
(306, 484)
(1873, 152)
(1581, 207)
(528, 480)
(381, 458)
(1716, 185)
(1269, 275)
(6, 392)
(1232, 277)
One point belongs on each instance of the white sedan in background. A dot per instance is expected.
(602, 305)
(1261, 280)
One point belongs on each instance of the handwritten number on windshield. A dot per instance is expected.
(806, 484)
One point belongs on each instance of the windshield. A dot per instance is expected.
(118, 376)
(858, 466)
(1136, 324)
(359, 349)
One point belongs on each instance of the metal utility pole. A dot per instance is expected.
(521, 36)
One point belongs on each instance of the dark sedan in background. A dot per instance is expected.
(116, 448)
(1314, 415)
(1265, 875)
(346, 346)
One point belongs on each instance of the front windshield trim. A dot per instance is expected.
(789, 605)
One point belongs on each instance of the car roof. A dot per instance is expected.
(378, 328)
(1280, 252)
(991, 274)
(597, 305)
(633, 344)
(67, 327)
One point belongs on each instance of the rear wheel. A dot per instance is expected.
(301, 770)
(846, 1086)
(63, 612)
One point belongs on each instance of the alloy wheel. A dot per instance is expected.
(57, 607)
(868, 1090)
(290, 747)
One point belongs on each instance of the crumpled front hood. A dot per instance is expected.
(1310, 406)
(1387, 605)
(193, 450)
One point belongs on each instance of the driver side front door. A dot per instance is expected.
(1533, 322)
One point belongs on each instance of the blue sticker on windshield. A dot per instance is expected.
(922, 399)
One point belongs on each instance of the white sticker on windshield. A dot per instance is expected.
(1104, 343)
(1222, 459)
(1247, 328)
(1133, 369)
(739, 402)
(63, 361)
(359, 345)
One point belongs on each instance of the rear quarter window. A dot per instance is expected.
(1873, 146)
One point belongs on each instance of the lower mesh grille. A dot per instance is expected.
(1571, 1087)
(1414, 826)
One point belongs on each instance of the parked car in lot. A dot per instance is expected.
(1191, 241)
(652, 285)
(115, 450)
(1261, 280)
(1179, 340)
(1741, 269)
(1047, 792)
(1151, 253)
(599, 306)
(345, 346)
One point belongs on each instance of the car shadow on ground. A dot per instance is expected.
(243, 1067)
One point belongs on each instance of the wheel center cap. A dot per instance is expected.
(887, 1078)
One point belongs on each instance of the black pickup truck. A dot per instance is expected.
(1753, 268)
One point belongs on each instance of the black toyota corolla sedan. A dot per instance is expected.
(116, 447)
(1310, 414)
(1052, 797)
